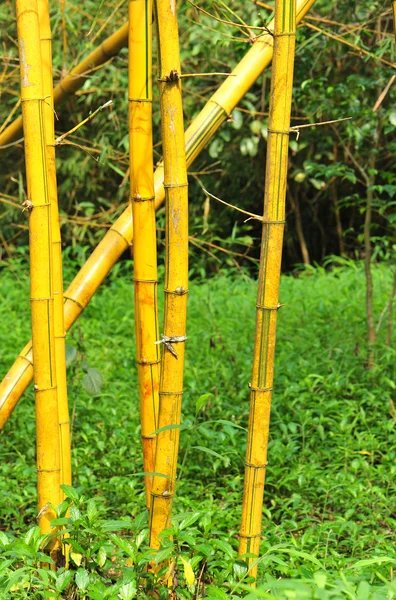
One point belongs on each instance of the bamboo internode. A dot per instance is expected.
(74, 80)
(56, 246)
(176, 268)
(144, 229)
(42, 304)
(269, 278)
(120, 235)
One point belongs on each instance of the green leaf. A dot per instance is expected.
(102, 556)
(128, 591)
(70, 492)
(225, 547)
(163, 554)
(92, 382)
(188, 521)
(82, 579)
(200, 403)
(63, 580)
(71, 354)
(115, 525)
(210, 451)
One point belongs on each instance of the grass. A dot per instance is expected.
(329, 501)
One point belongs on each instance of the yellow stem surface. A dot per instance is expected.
(120, 235)
(269, 277)
(42, 302)
(56, 246)
(176, 267)
(142, 199)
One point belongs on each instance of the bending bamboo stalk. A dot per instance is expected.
(176, 267)
(76, 78)
(269, 277)
(144, 228)
(42, 302)
(120, 235)
(56, 246)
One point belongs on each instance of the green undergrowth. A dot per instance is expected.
(329, 520)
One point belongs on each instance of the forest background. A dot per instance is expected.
(343, 59)
(329, 517)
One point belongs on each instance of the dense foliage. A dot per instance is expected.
(332, 168)
(329, 503)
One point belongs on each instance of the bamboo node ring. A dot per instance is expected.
(252, 466)
(261, 307)
(139, 198)
(169, 340)
(248, 537)
(265, 389)
(179, 291)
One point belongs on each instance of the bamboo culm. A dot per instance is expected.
(267, 304)
(142, 199)
(42, 309)
(176, 267)
(120, 235)
(56, 244)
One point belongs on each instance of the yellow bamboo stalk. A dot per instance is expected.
(176, 267)
(269, 277)
(38, 204)
(56, 250)
(394, 17)
(142, 199)
(120, 235)
(76, 78)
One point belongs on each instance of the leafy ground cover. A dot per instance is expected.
(329, 520)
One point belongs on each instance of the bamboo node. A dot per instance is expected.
(261, 307)
(164, 494)
(179, 291)
(175, 185)
(265, 389)
(145, 280)
(140, 100)
(145, 362)
(278, 131)
(169, 340)
(252, 466)
(76, 301)
(139, 198)
(248, 537)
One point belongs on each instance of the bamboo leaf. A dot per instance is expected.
(211, 452)
(169, 427)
